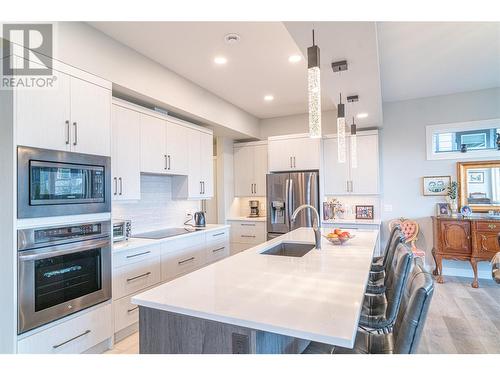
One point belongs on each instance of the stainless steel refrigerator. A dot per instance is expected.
(285, 192)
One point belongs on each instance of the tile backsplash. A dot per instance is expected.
(156, 209)
(350, 201)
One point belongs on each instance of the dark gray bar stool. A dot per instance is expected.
(407, 331)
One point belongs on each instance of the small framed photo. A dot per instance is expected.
(328, 213)
(435, 185)
(466, 211)
(443, 209)
(476, 177)
(364, 212)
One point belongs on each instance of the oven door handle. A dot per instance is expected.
(29, 255)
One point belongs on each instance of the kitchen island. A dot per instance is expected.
(259, 303)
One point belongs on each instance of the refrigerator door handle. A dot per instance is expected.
(287, 201)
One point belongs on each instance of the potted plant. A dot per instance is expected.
(452, 191)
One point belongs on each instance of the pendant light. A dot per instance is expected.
(341, 147)
(314, 90)
(354, 146)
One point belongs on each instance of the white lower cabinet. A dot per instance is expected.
(246, 234)
(141, 268)
(73, 336)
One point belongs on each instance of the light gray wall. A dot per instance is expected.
(296, 124)
(84, 47)
(403, 154)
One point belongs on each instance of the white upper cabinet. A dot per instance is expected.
(199, 183)
(250, 168)
(126, 154)
(365, 177)
(177, 149)
(350, 177)
(43, 116)
(294, 153)
(153, 144)
(73, 116)
(90, 118)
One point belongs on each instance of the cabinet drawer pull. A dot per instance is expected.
(218, 234)
(72, 339)
(67, 132)
(247, 225)
(138, 254)
(185, 260)
(133, 309)
(168, 157)
(121, 185)
(116, 185)
(492, 226)
(138, 277)
(76, 133)
(247, 236)
(219, 249)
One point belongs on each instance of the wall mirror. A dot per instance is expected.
(479, 185)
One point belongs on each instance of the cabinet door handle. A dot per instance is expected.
(203, 184)
(347, 186)
(138, 254)
(121, 185)
(72, 339)
(67, 132)
(115, 180)
(219, 249)
(138, 277)
(166, 162)
(76, 133)
(291, 165)
(168, 157)
(294, 165)
(185, 260)
(133, 309)
(201, 188)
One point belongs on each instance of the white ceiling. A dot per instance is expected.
(421, 59)
(355, 42)
(258, 65)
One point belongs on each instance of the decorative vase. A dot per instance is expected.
(453, 206)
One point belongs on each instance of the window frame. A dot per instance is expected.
(431, 130)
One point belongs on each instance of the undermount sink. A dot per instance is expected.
(287, 249)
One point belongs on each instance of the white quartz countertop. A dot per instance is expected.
(315, 297)
(133, 243)
(353, 222)
(246, 218)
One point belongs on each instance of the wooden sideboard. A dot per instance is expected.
(470, 239)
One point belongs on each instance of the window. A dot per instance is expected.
(463, 140)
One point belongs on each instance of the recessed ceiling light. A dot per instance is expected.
(268, 98)
(220, 60)
(294, 58)
(362, 115)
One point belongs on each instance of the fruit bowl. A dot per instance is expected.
(338, 237)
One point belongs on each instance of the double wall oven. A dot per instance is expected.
(62, 268)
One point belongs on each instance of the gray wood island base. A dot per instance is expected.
(163, 332)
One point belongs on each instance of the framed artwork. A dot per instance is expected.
(476, 177)
(443, 209)
(435, 185)
(328, 213)
(466, 211)
(364, 212)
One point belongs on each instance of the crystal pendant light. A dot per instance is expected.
(354, 146)
(341, 146)
(314, 90)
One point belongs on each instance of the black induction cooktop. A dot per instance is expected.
(164, 233)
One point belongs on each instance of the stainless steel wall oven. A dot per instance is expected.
(56, 183)
(62, 270)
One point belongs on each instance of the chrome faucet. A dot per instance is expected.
(316, 225)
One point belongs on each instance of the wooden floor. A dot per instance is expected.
(461, 320)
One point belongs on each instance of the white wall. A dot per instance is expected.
(81, 45)
(155, 209)
(403, 156)
(296, 124)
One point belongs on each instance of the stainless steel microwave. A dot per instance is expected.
(57, 183)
